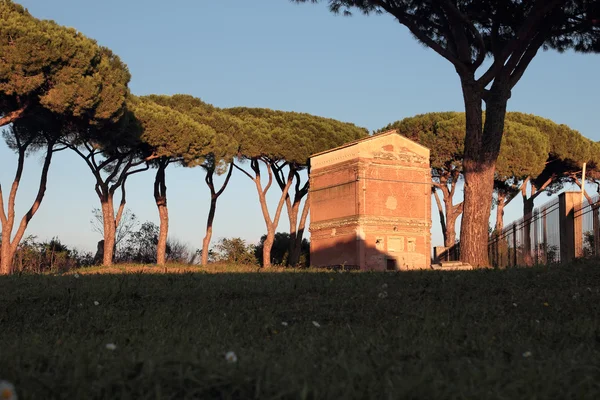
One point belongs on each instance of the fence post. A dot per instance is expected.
(514, 235)
(571, 234)
(545, 235)
(535, 244)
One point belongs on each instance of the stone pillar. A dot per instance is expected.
(570, 227)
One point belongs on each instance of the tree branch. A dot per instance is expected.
(226, 180)
(12, 116)
(244, 171)
(38, 199)
(405, 20)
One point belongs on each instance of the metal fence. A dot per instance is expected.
(558, 231)
(534, 239)
(587, 226)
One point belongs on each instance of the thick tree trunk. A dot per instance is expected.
(6, 254)
(450, 236)
(108, 217)
(267, 246)
(482, 147)
(160, 196)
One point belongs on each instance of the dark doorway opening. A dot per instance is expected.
(391, 264)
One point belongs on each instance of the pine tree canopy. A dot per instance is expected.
(291, 136)
(466, 31)
(527, 143)
(170, 133)
(45, 65)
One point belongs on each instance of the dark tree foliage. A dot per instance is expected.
(465, 32)
(280, 250)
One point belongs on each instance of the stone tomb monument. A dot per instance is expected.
(370, 205)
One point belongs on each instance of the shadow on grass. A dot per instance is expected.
(303, 334)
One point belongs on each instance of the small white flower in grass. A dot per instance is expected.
(96, 303)
(111, 346)
(382, 295)
(514, 304)
(231, 357)
(527, 354)
(284, 323)
(7, 391)
(315, 323)
(76, 275)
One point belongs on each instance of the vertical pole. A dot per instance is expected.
(514, 234)
(535, 222)
(582, 183)
(571, 235)
(545, 234)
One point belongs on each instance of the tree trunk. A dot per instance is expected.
(292, 210)
(441, 215)
(527, 217)
(482, 147)
(500, 213)
(214, 196)
(209, 229)
(6, 254)
(160, 196)
(301, 228)
(451, 211)
(450, 236)
(9, 247)
(267, 246)
(108, 217)
(300, 233)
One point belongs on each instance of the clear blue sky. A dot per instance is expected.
(270, 53)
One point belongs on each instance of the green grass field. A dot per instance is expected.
(520, 333)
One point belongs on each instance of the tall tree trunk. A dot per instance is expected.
(214, 196)
(451, 211)
(292, 209)
(271, 224)
(108, 217)
(500, 213)
(300, 233)
(441, 215)
(451, 218)
(160, 196)
(6, 255)
(527, 219)
(482, 147)
(209, 230)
